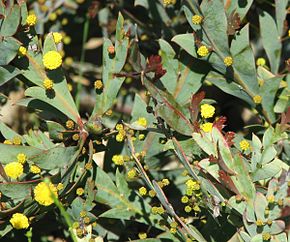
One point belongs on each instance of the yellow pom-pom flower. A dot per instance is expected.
(57, 37)
(19, 221)
(207, 110)
(196, 19)
(261, 62)
(48, 84)
(59, 186)
(202, 51)
(52, 16)
(35, 169)
(142, 191)
(17, 140)
(118, 160)
(80, 191)
(142, 235)
(22, 51)
(132, 173)
(228, 61)
(69, 124)
(266, 236)
(21, 158)
(31, 20)
(257, 99)
(7, 142)
(14, 169)
(98, 84)
(244, 145)
(142, 122)
(42, 193)
(206, 127)
(52, 60)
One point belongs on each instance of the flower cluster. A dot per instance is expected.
(121, 133)
(19, 221)
(42, 193)
(52, 60)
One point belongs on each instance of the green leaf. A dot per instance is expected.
(59, 97)
(244, 62)
(56, 100)
(268, 92)
(281, 12)
(111, 66)
(269, 170)
(239, 6)
(16, 191)
(229, 87)
(169, 109)
(215, 25)
(271, 40)
(186, 42)
(8, 49)
(8, 133)
(182, 79)
(38, 139)
(7, 73)
(260, 205)
(11, 22)
(108, 193)
(57, 157)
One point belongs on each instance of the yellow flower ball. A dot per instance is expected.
(14, 169)
(21, 158)
(266, 236)
(69, 124)
(52, 16)
(76, 137)
(17, 140)
(80, 191)
(48, 84)
(98, 84)
(187, 209)
(142, 191)
(202, 51)
(207, 110)
(64, 21)
(35, 169)
(152, 193)
(184, 199)
(7, 142)
(196, 19)
(19, 221)
(42, 193)
(22, 51)
(167, 2)
(52, 60)
(259, 222)
(206, 127)
(118, 160)
(59, 186)
(257, 99)
(244, 145)
(142, 235)
(142, 122)
(57, 37)
(66, 40)
(131, 173)
(261, 62)
(228, 61)
(31, 20)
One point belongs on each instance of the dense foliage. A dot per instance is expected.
(144, 120)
